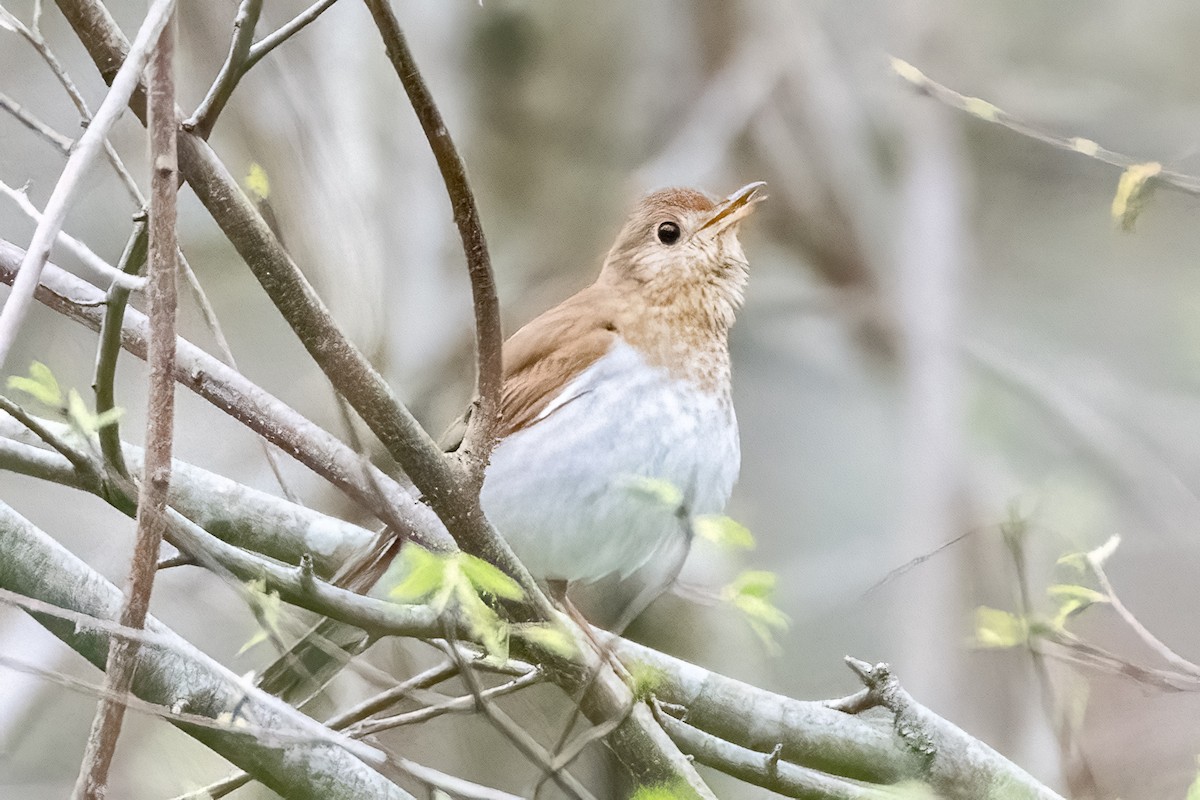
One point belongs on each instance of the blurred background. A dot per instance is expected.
(944, 329)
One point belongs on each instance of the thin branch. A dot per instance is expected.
(449, 785)
(233, 393)
(85, 254)
(1075, 144)
(1073, 759)
(62, 143)
(89, 144)
(285, 32)
(450, 705)
(1149, 639)
(160, 415)
(517, 735)
(109, 346)
(481, 431)
(205, 116)
(33, 35)
(244, 53)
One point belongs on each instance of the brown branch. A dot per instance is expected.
(160, 419)
(285, 32)
(449, 490)
(201, 122)
(481, 430)
(231, 392)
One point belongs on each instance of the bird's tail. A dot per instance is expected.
(312, 662)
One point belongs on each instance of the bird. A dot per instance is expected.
(616, 422)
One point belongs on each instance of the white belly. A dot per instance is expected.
(569, 492)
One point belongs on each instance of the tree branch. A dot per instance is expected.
(80, 160)
(481, 430)
(160, 419)
(62, 143)
(180, 676)
(234, 394)
(451, 491)
(205, 116)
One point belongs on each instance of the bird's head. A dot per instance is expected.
(680, 243)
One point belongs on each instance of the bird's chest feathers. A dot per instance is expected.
(640, 418)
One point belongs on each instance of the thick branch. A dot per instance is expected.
(181, 677)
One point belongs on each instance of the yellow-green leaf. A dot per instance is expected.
(999, 629)
(1070, 591)
(724, 531)
(268, 611)
(753, 582)
(489, 578)
(423, 574)
(1132, 192)
(1193, 792)
(550, 637)
(749, 593)
(483, 623)
(257, 183)
(981, 108)
(656, 490)
(41, 385)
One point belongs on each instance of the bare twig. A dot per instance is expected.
(1075, 144)
(33, 35)
(517, 735)
(244, 53)
(448, 785)
(450, 705)
(85, 254)
(160, 416)
(231, 392)
(62, 143)
(202, 121)
(109, 345)
(285, 32)
(481, 430)
(1164, 652)
(89, 144)
(1074, 760)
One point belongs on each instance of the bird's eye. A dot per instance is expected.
(668, 232)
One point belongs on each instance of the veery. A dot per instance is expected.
(617, 422)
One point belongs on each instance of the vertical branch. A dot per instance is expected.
(477, 444)
(160, 416)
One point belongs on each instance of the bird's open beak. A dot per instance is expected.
(736, 207)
